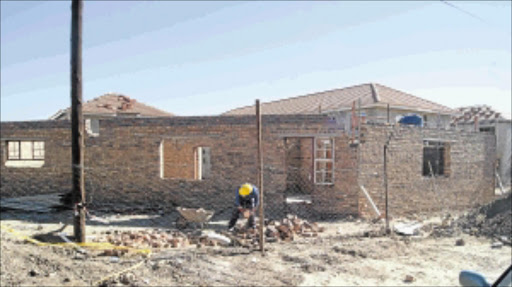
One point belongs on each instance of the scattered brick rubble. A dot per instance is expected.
(287, 229)
(284, 230)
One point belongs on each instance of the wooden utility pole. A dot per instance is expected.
(260, 178)
(77, 125)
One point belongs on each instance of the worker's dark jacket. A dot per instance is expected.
(250, 201)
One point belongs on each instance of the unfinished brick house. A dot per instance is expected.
(485, 119)
(199, 162)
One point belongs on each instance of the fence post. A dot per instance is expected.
(260, 178)
(353, 122)
(388, 231)
(387, 112)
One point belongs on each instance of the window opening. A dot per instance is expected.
(324, 160)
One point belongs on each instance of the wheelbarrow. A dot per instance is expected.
(193, 216)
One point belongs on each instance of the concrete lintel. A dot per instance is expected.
(439, 140)
(308, 135)
(22, 139)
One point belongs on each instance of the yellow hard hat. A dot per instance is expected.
(245, 189)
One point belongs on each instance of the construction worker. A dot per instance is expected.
(247, 198)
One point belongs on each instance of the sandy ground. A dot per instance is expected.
(340, 256)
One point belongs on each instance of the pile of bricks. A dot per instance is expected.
(144, 239)
(289, 227)
(286, 230)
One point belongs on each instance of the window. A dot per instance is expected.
(14, 150)
(436, 158)
(201, 163)
(324, 161)
(487, 129)
(183, 160)
(92, 127)
(25, 150)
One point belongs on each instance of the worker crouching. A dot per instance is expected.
(246, 200)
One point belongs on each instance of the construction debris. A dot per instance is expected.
(492, 220)
(287, 229)
(142, 240)
(497, 245)
(219, 238)
(407, 229)
(409, 279)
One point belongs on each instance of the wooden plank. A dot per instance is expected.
(370, 200)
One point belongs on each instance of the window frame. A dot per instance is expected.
(324, 159)
(32, 151)
(199, 168)
(92, 127)
(438, 170)
(198, 163)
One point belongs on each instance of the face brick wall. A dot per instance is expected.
(468, 182)
(342, 197)
(178, 159)
(123, 164)
(54, 175)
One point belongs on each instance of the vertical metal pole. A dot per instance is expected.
(359, 120)
(386, 187)
(388, 114)
(77, 128)
(260, 178)
(353, 121)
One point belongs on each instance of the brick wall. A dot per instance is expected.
(122, 164)
(469, 181)
(54, 175)
(341, 198)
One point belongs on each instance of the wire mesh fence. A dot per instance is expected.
(138, 176)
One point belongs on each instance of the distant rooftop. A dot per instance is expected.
(114, 104)
(332, 100)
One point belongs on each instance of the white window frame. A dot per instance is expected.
(92, 127)
(32, 152)
(198, 163)
(199, 167)
(161, 153)
(326, 160)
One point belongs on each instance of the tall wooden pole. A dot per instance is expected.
(77, 126)
(260, 178)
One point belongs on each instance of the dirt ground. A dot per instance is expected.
(343, 255)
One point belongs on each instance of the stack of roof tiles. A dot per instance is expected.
(468, 115)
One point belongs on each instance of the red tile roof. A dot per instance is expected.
(370, 95)
(112, 104)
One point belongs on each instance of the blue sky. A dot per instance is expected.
(205, 57)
